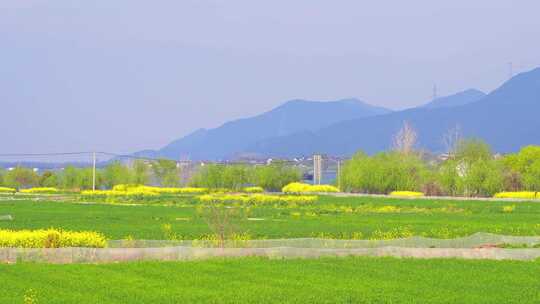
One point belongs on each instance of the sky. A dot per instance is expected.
(127, 75)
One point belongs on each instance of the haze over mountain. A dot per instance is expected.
(291, 117)
(458, 99)
(507, 118)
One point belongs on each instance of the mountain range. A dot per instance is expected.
(507, 118)
(235, 137)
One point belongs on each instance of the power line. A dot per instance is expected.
(42, 154)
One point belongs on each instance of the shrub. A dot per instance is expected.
(215, 176)
(166, 172)
(298, 188)
(51, 238)
(7, 190)
(253, 190)
(508, 209)
(116, 173)
(99, 194)
(519, 195)
(526, 164)
(20, 177)
(482, 178)
(257, 199)
(384, 172)
(126, 188)
(41, 190)
(406, 193)
(275, 176)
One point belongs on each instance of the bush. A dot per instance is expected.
(384, 172)
(298, 188)
(166, 172)
(42, 190)
(156, 190)
(406, 193)
(216, 176)
(253, 190)
(257, 199)
(275, 176)
(51, 238)
(20, 178)
(519, 195)
(7, 190)
(526, 164)
(482, 178)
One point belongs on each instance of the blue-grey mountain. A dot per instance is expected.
(237, 136)
(507, 118)
(459, 99)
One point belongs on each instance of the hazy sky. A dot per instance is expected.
(125, 75)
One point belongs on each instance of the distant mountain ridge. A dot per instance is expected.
(289, 118)
(458, 99)
(507, 118)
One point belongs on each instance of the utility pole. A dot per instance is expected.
(94, 171)
(317, 169)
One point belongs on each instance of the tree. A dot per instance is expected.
(471, 150)
(449, 177)
(276, 175)
(2, 174)
(384, 172)
(166, 172)
(451, 140)
(116, 174)
(141, 174)
(21, 177)
(483, 178)
(71, 178)
(405, 140)
(49, 179)
(526, 165)
(222, 220)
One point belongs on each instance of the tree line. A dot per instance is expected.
(470, 169)
(165, 173)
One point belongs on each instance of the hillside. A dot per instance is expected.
(507, 118)
(291, 117)
(458, 99)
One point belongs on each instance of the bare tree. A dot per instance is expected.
(222, 219)
(451, 140)
(405, 140)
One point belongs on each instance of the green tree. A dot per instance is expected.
(2, 174)
(483, 178)
(21, 177)
(526, 165)
(276, 175)
(166, 172)
(71, 178)
(384, 172)
(115, 174)
(217, 176)
(140, 172)
(48, 179)
(449, 178)
(472, 149)
(473, 171)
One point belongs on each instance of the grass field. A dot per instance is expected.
(346, 280)
(358, 217)
(255, 280)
